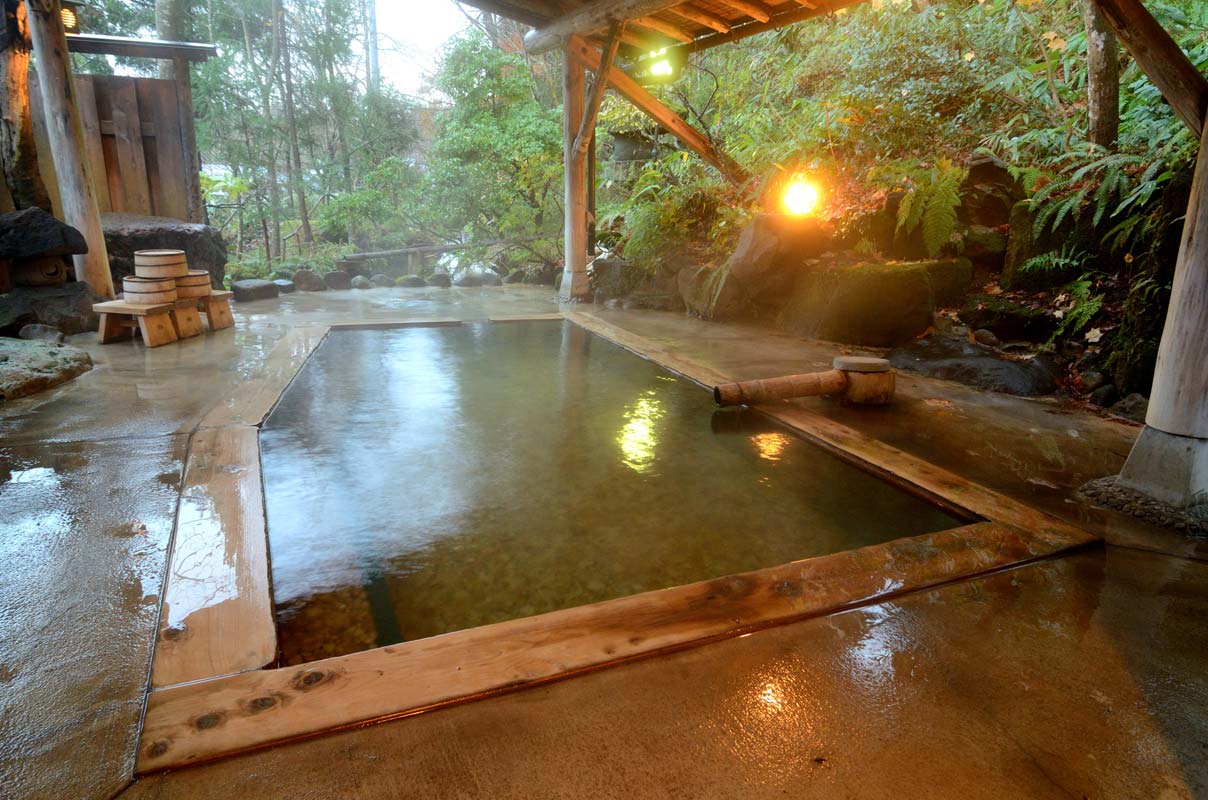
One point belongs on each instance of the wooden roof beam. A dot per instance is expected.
(592, 17)
(628, 88)
(666, 28)
(598, 86)
(752, 8)
(700, 16)
(1159, 57)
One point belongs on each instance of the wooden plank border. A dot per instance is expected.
(217, 614)
(209, 719)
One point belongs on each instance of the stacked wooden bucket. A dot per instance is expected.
(163, 276)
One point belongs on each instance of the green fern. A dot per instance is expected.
(931, 203)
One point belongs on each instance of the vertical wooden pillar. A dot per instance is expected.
(1170, 459)
(574, 273)
(66, 133)
(194, 207)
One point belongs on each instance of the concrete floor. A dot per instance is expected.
(1085, 676)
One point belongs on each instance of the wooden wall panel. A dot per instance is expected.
(128, 140)
(135, 145)
(86, 97)
(157, 105)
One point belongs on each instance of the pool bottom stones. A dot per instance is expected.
(208, 719)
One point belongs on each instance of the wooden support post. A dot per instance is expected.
(1170, 459)
(574, 272)
(66, 133)
(1160, 58)
(631, 91)
(194, 206)
(587, 130)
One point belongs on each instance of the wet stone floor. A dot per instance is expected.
(1084, 676)
(427, 480)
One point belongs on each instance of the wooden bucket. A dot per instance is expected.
(195, 284)
(149, 291)
(160, 263)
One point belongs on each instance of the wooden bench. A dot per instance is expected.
(119, 319)
(217, 308)
(185, 319)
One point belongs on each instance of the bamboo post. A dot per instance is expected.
(574, 273)
(1170, 459)
(854, 379)
(66, 133)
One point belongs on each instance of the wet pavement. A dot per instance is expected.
(1083, 676)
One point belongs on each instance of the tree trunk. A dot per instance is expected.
(18, 155)
(171, 18)
(56, 84)
(1103, 78)
(291, 117)
(371, 45)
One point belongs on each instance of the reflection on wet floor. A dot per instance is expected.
(428, 480)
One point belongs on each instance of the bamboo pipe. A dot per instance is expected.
(854, 379)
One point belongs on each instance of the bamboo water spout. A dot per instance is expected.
(854, 379)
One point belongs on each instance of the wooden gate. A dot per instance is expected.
(139, 140)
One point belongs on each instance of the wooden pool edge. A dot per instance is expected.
(248, 708)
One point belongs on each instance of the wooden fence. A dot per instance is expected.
(140, 145)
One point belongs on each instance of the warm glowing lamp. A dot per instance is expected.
(70, 16)
(801, 197)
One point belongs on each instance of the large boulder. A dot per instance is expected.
(470, 280)
(382, 280)
(307, 280)
(766, 264)
(950, 279)
(411, 282)
(67, 307)
(285, 286)
(361, 282)
(1007, 319)
(253, 289)
(338, 279)
(28, 367)
(125, 233)
(871, 304)
(440, 279)
(615, 277)
(32, 232)
(491, 279)
(988, 193)
(962, 361)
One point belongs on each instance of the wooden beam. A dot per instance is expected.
(1159, 57)
(575, 283)
(598, 87)
(689, 136)
(666, 28)
(752, 8)
(139, 48)
(221, 542)
(592, 17)
(195, 210)
(777, 20)
(700, 16)
(66, 138)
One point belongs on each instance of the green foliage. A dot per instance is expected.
(1068, 259)
(930, 202)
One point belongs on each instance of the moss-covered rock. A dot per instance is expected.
(876, 305)
(1007, 319)
(985, 245)
(950, 279)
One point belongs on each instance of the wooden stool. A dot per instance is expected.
(217, 308)
(119, 318)
(185, 318)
